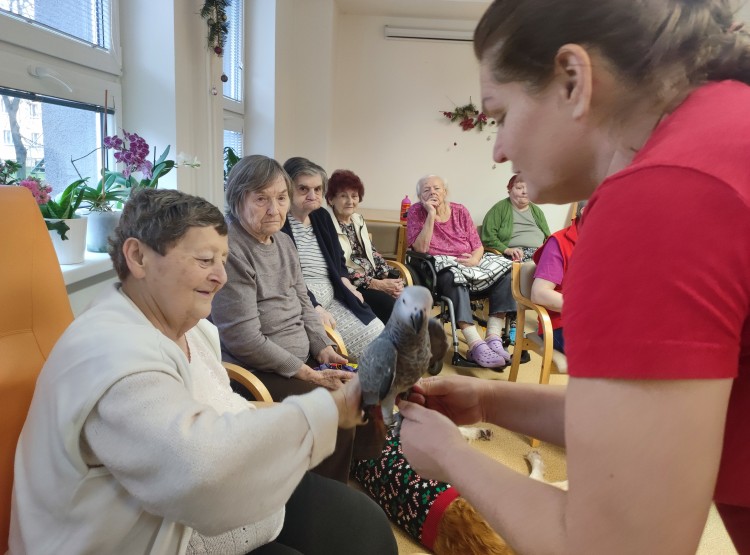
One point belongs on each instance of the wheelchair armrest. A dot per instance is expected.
(422, 266)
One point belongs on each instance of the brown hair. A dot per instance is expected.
(160, 218)
(659, 46)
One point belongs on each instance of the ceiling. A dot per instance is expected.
(424, 9)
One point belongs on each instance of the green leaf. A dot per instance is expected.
(61, 227)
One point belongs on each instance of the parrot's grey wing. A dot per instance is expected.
(438, 346)
(377, 370)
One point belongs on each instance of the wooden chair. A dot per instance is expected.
(552, 361)
(249, 380)
(338, 341)
(35, 312)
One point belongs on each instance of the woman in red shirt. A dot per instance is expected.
(644, 107)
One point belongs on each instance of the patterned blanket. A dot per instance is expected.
(477, 278)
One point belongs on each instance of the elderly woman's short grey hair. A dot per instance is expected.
(298, 165)
(251, 173)
(423, 180)
(160, 218)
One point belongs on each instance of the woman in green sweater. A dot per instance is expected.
(515, 227)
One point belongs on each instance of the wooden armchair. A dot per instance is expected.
(552, 361)
(338, 341)
(249, 381)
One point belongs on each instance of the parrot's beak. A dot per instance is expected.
(416, 320)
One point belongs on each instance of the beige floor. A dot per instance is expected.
(510, 448)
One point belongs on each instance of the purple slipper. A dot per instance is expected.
(484, 356)
(496, 345)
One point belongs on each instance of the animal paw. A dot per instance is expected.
(472, 434)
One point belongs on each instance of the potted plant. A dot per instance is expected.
(8, 171)
(114, 187)
(67, 229)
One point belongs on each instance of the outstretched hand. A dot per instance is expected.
(460, 398)
(425, 436)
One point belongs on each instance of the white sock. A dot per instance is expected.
(494, 327)
(471, 335)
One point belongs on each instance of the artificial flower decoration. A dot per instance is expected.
(468, 117)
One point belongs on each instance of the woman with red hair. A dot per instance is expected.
(378, 282)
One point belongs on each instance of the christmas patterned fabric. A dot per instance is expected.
(414, 504)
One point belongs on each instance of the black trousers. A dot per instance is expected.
(380, 303)
(499, 294)
(325, 517)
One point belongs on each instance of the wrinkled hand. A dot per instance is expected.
(515, 253)
(392, 287)
(326, 318)
(430, 206)
(348, 284)
(467, 259)
(426, 435)
(332, 379)
(328, 355)
(460, 398)
(349, 403)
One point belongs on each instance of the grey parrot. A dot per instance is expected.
(411, 344)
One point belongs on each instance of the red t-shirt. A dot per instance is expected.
(659, 287)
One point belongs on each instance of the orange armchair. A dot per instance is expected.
(35, 312)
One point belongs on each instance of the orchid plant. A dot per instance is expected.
(132, 152)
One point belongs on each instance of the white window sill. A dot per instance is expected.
(95, 263)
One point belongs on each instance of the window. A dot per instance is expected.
(234, 105)
(233, 58)
(59, 65)
(45, 145)
(64, 28)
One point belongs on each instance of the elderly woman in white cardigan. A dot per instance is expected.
(379, 283)
(135, 443)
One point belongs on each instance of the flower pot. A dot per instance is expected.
(100, 228)
(72, 250)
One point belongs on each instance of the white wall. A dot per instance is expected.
(387, 124)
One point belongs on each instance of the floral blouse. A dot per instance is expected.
(361, 279)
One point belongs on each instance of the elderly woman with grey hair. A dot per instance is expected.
(322, 258)
(446, 231)
(265, 319)
(134, 441)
